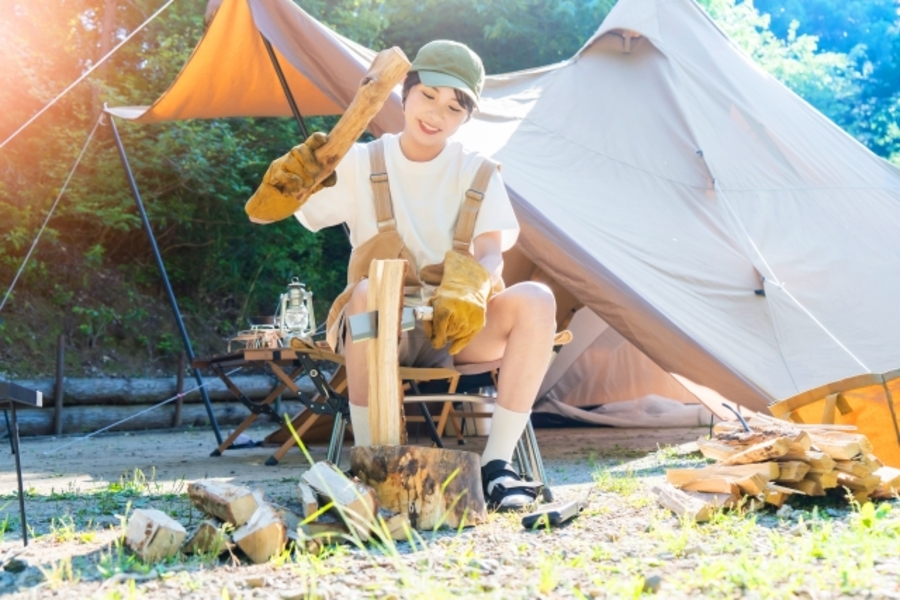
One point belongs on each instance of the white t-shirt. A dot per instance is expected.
(426, 197)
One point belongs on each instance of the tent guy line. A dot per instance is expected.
(85, 74)
(777, 283)
(50, 213)
(134, 416)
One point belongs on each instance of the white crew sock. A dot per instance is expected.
(506, 429)
(359, 418)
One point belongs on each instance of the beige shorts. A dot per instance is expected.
(415, 348)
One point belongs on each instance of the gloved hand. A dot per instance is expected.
(460, 302)
(292, 174)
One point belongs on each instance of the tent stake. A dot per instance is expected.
(285, 87)
(165, 277)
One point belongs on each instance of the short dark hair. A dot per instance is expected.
(412, 79)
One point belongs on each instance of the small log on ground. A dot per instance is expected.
(694, 506)
(207, 538)
(230, 503)
(263, 536)
(353, 501)
(153, 535)
(431, 486)
(309, 504)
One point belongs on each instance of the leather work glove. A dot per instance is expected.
(460, 302)
(288, 176)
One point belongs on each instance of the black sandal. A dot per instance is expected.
(527, 490)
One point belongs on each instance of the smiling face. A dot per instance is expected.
(432, 114)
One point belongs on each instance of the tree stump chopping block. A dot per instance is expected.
(432, 486)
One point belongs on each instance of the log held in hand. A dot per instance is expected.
(431, 486)
(387, 70)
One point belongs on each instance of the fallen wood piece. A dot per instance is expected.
(768, 470)
(776, 497)
(354, 502)
(153, 535)
(263, 536)
(230, 503)
(792, 470)
(856, 484)
(432, 486)
(207, 538)
(760, 452)
(717, 450)
(395, 525)
(889, 483)
(309, 504)
(857, 468)
(694, 506)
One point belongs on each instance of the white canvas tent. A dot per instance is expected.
(742, 244)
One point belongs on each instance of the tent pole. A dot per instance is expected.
(284, 86)
(165, 277)
(291, 102)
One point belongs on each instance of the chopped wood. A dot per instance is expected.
(153, 535)
(874, 459)
(712, 485)
(857, 468)
(309, 503)
(207, 538)
(839, 446)
(889, 482)
(764, 451)
(807, 487)
(230, 503)
(353, 501)
(395, 525)
(263, 536)
(826, 480)
(776, 497)
(716, 450)
(839, 437)
(695, 506)
(793, 470)
(768, 470)
(819, 462)
(856, 484)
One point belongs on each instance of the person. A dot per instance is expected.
(445, 210)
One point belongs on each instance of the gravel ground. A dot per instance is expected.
(622, 545)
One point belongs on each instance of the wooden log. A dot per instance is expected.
(712, 485)
(393, 526)
(806, 487)
(889, 483)
(693, 506)
(387, 70)
(768, 470)
(431, 486)
(776, 495)
(207, 538)
(153, 535)
(309, 504)
(792, 470)
(761, 452)
(385, 296)
(839, 446)
(819, 462)
(857, 468)
(716, 450)
(354, 502)
(826, 480)
(868, 484)
(839, 438)
(263, 536)
(230, 503)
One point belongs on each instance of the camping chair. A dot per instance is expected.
(866, 401)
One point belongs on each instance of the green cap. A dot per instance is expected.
(443, 63)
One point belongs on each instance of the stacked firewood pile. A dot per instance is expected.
(333, 509)
(774, 461)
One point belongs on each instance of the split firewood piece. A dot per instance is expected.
(712, 485)
(717, 450)
(819, 462)
(844, 437)
(695, 506)
(857, 468)
(763, 451)
(433, 486)
(207, 538)
(840, 446)
(153, 535)
(734, 433)
(856, 484)
(889, 482)
(768, 470)
(826, 480)
(776, 495)
(353, 501)
(792, 470)
(309, 504)
(230, 503)
(263, 536)
(807, 487)
(394, 525)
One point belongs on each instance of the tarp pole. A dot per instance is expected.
(284, 86)
(165, 277)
